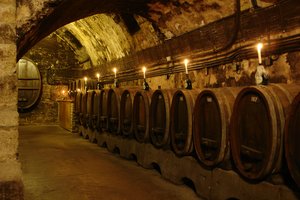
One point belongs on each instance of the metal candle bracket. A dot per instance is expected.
(116, 83)
(188, 83)
(145, 85)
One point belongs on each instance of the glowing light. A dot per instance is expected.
(115, 71)
(259, 46)
(98, 76)
(186, 61)
(144, 71)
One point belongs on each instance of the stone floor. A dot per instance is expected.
(60, 166)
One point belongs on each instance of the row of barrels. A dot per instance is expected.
(253, 126)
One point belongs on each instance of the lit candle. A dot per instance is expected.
(259, 46)
(98, 76)
(63, 92)
(115, 71)
(85, 80)
(78, 90)
(186, 61)
(144, 71)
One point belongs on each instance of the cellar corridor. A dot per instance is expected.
(58, 165)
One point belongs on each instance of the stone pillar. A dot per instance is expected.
(10, 171)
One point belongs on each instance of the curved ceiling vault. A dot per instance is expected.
(123, 26)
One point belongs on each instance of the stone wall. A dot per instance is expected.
(10, 173)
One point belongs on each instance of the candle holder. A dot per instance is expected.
(116, 83)
(145, 85)
(99, 86)
(188, 83)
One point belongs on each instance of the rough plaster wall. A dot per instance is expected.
(61, 56)
(177, 17)
(284, 70)
(10, 172)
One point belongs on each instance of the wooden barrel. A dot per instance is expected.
(182, 121)
(103, 110)
(79, 85)
(126, 111)
(113, 110)
(78, 99)
(29, 85)
(256, 130)
(160, 117)
(90, 108)
(83, 113)
(96, 109)
(292, 140)
(212, 112)
(141, 104)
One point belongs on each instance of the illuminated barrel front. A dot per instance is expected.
(160, 117)
(183, 102)
(257, 126)
(126, 111)
(141, 106)
(212, 112)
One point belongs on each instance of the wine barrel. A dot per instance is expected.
(103, 110)
(113, 110)
(160, 117)
(90, 108)
(141, 105)
(182, 121)
(83, 111)
(29, 85)
(79, 85)
(256, 129)
(126, 111)
(96, 107)
(212, 112)
(78, 99)
(292, 140)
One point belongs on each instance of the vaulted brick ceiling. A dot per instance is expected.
(123, 27)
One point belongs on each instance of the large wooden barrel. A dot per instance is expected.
(256, 132)
(126, 111)
(141, 104)
(160, 117)
(79, 85)
(29, 85)
(292, 141)
(83, 110)
(212, 112)
(103, 110)
(113, 110)
(96, 110)
(181, 133)
(90, 108)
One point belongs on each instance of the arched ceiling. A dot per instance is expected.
(123, 26)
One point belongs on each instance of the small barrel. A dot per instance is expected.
(160, 117)
(182, 121)
(212, 112)
(292, 140)
(83, 110)
(113, 111)
(126, 111)
(103, 110)
(256, 129)
(141, 104)
(90, 108)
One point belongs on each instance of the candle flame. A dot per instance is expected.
(144, 69)
(78, 90)
(85, 78)
(115, 70)
(98, 75)
(186, 61)
(259, 46)
(63, 91)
